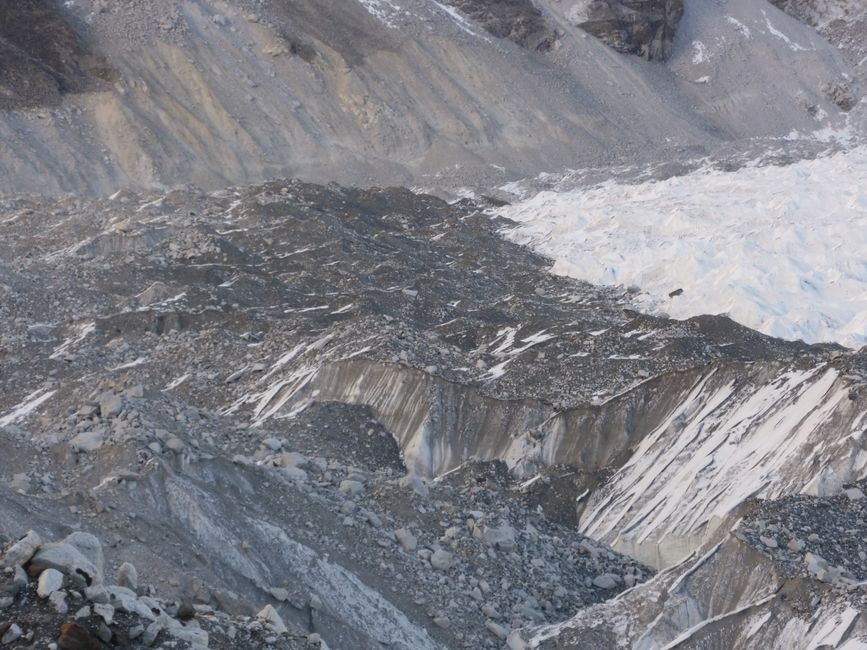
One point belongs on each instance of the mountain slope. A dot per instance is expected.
(400, 92)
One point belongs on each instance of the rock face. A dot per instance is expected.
(43, 57)
(640, 27)
(516, 20)
(843, 23)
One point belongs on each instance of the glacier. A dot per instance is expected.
(782, 249)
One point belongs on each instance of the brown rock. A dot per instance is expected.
(74, 637)
(186, 612)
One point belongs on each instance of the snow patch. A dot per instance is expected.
(81, 334)
(739, 26)
(30, 404)
(383, 10)
(699, 53)
(776, 32)
(462, 22)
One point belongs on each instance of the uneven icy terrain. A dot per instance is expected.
(614, 397)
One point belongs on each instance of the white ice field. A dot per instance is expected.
(780, 249)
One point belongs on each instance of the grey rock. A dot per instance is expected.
(516, 20)
(605, 581)
(442, 622)
(279, 594)
(442, 560)
(50, 581)
(854, 494)
(58, 601)
(127, 576)
(516, 642)
(22, 550)
(502, 536)
(69, 561)
(497, 630)
(104, 611)
(770, 542)
(406, 539)
(11, 635)
(274, 444)
(136, 391)
(88, 441)
(110, 405)
(351, 488)
(89, 546)
(293, 459)
(295, 474)
(151, 632)
(272, 618)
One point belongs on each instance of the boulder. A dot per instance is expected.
(770, 542)
(12, 634)
(50, 581)
(519, 21)
(22, 550)
(606, 581)
(501, 537)
(88, 441)
(89, 546)
(58, 602)
(351, 488)
(272, 618)
(854, 494)
(105, 612)
(406, 539)
(295, 474)
(78, 556)
(442, 560)
(497, 630)
(110, 405)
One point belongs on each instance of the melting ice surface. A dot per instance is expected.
(780, 249)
